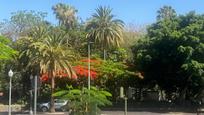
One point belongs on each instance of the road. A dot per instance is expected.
(113, 113)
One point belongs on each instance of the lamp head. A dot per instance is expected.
(10, 73)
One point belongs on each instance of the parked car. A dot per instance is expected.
(59, 105)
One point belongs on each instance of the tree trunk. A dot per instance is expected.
(141, 94)
(104, 54)
(183, 93)
(182, 97)
(52, 102)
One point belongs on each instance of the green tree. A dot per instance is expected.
(52, 54)
(7, 54)
(104, 29)
(171, 55)
(66, 15)
(132, 33)
(21, 64)
(85, 101)
(166, 12)
(76, 37)
(20, 22)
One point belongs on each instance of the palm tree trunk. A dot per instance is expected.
(104, 54)
(52, 102)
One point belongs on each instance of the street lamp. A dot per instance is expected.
(10, 74)
(125, 98)
(89, 65)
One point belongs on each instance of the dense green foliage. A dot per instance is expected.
(172, 53)
(84, 101)
(6, 51)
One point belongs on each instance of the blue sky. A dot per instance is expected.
(130, 11)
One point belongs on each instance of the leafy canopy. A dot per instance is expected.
(6, 51)
(172, 53)
(85, 101)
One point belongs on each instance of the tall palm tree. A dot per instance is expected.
(104, 29)
(66, 15)
(52, 55)
(166, 12)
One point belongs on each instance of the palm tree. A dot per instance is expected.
(52, 55)
(66, 15)
(104, 29)
(166, 12)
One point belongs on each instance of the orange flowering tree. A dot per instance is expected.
(81, 69)
(100, 71)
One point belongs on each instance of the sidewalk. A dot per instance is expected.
(38, 113)
(109, 113)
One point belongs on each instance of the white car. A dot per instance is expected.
(59, 105)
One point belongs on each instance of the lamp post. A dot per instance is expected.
(10, 74)
(122, 95)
